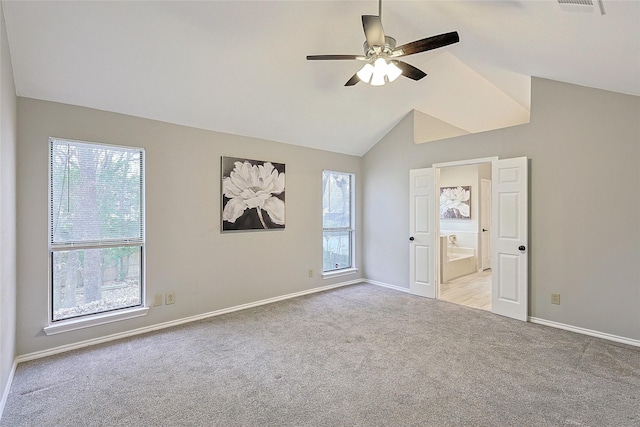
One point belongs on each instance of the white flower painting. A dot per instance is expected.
(455, 202)
(252, 194)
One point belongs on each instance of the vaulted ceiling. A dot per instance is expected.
(239, 66)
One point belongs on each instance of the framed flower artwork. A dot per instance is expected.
(252, 194)
(455, 202)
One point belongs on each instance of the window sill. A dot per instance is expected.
(98, 319)
(338, 273)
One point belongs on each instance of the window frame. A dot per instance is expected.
(107, 316)
(351, 228)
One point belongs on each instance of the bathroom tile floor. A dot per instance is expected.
(472, 290)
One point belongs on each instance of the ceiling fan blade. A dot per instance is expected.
(373, 30)
(428, 44)
(353, 80)
(333, 57)
(410, 71)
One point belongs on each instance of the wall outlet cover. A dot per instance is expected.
(170, 298)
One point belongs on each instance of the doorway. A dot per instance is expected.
(464, 234)
(509, 231)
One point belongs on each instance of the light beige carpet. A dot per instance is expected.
(355, 356)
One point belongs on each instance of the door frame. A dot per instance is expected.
(484, 213)
(436, 168)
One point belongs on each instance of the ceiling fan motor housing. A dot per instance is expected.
(389, 45)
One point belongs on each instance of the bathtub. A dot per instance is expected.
(455, 261)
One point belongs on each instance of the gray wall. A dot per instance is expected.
(185, 251)
(584, 241)
(584, 146)
(7, 211)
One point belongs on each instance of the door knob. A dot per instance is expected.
(521, 248)
(412, 238)
(484, 229)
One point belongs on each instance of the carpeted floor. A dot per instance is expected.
(355, 356)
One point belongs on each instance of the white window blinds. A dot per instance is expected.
(96, 194)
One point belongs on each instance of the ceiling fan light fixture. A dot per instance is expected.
(379, 72)
(380, 65)
(393, 71)
(365, 73)
(377, 80)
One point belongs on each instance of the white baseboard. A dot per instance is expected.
(120, 335)
(74, 346)
(386, 285)
(7, 387)
(584, 331)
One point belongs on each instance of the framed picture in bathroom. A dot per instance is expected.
(455, 202)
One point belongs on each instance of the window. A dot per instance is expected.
(337, 221)
(96, 228)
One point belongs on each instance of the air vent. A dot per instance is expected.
(579, 2)
(589, 6)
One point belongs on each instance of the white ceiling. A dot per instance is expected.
(239, 67)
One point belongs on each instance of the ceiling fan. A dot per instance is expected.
(380, 53)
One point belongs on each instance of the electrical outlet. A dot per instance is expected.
(170, 298)
(310, 273)
(555, 299)
(157, 300)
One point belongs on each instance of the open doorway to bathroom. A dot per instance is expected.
(464, 243)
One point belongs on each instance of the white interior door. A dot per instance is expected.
(485, 223)
(422, 233)
(509, 292)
